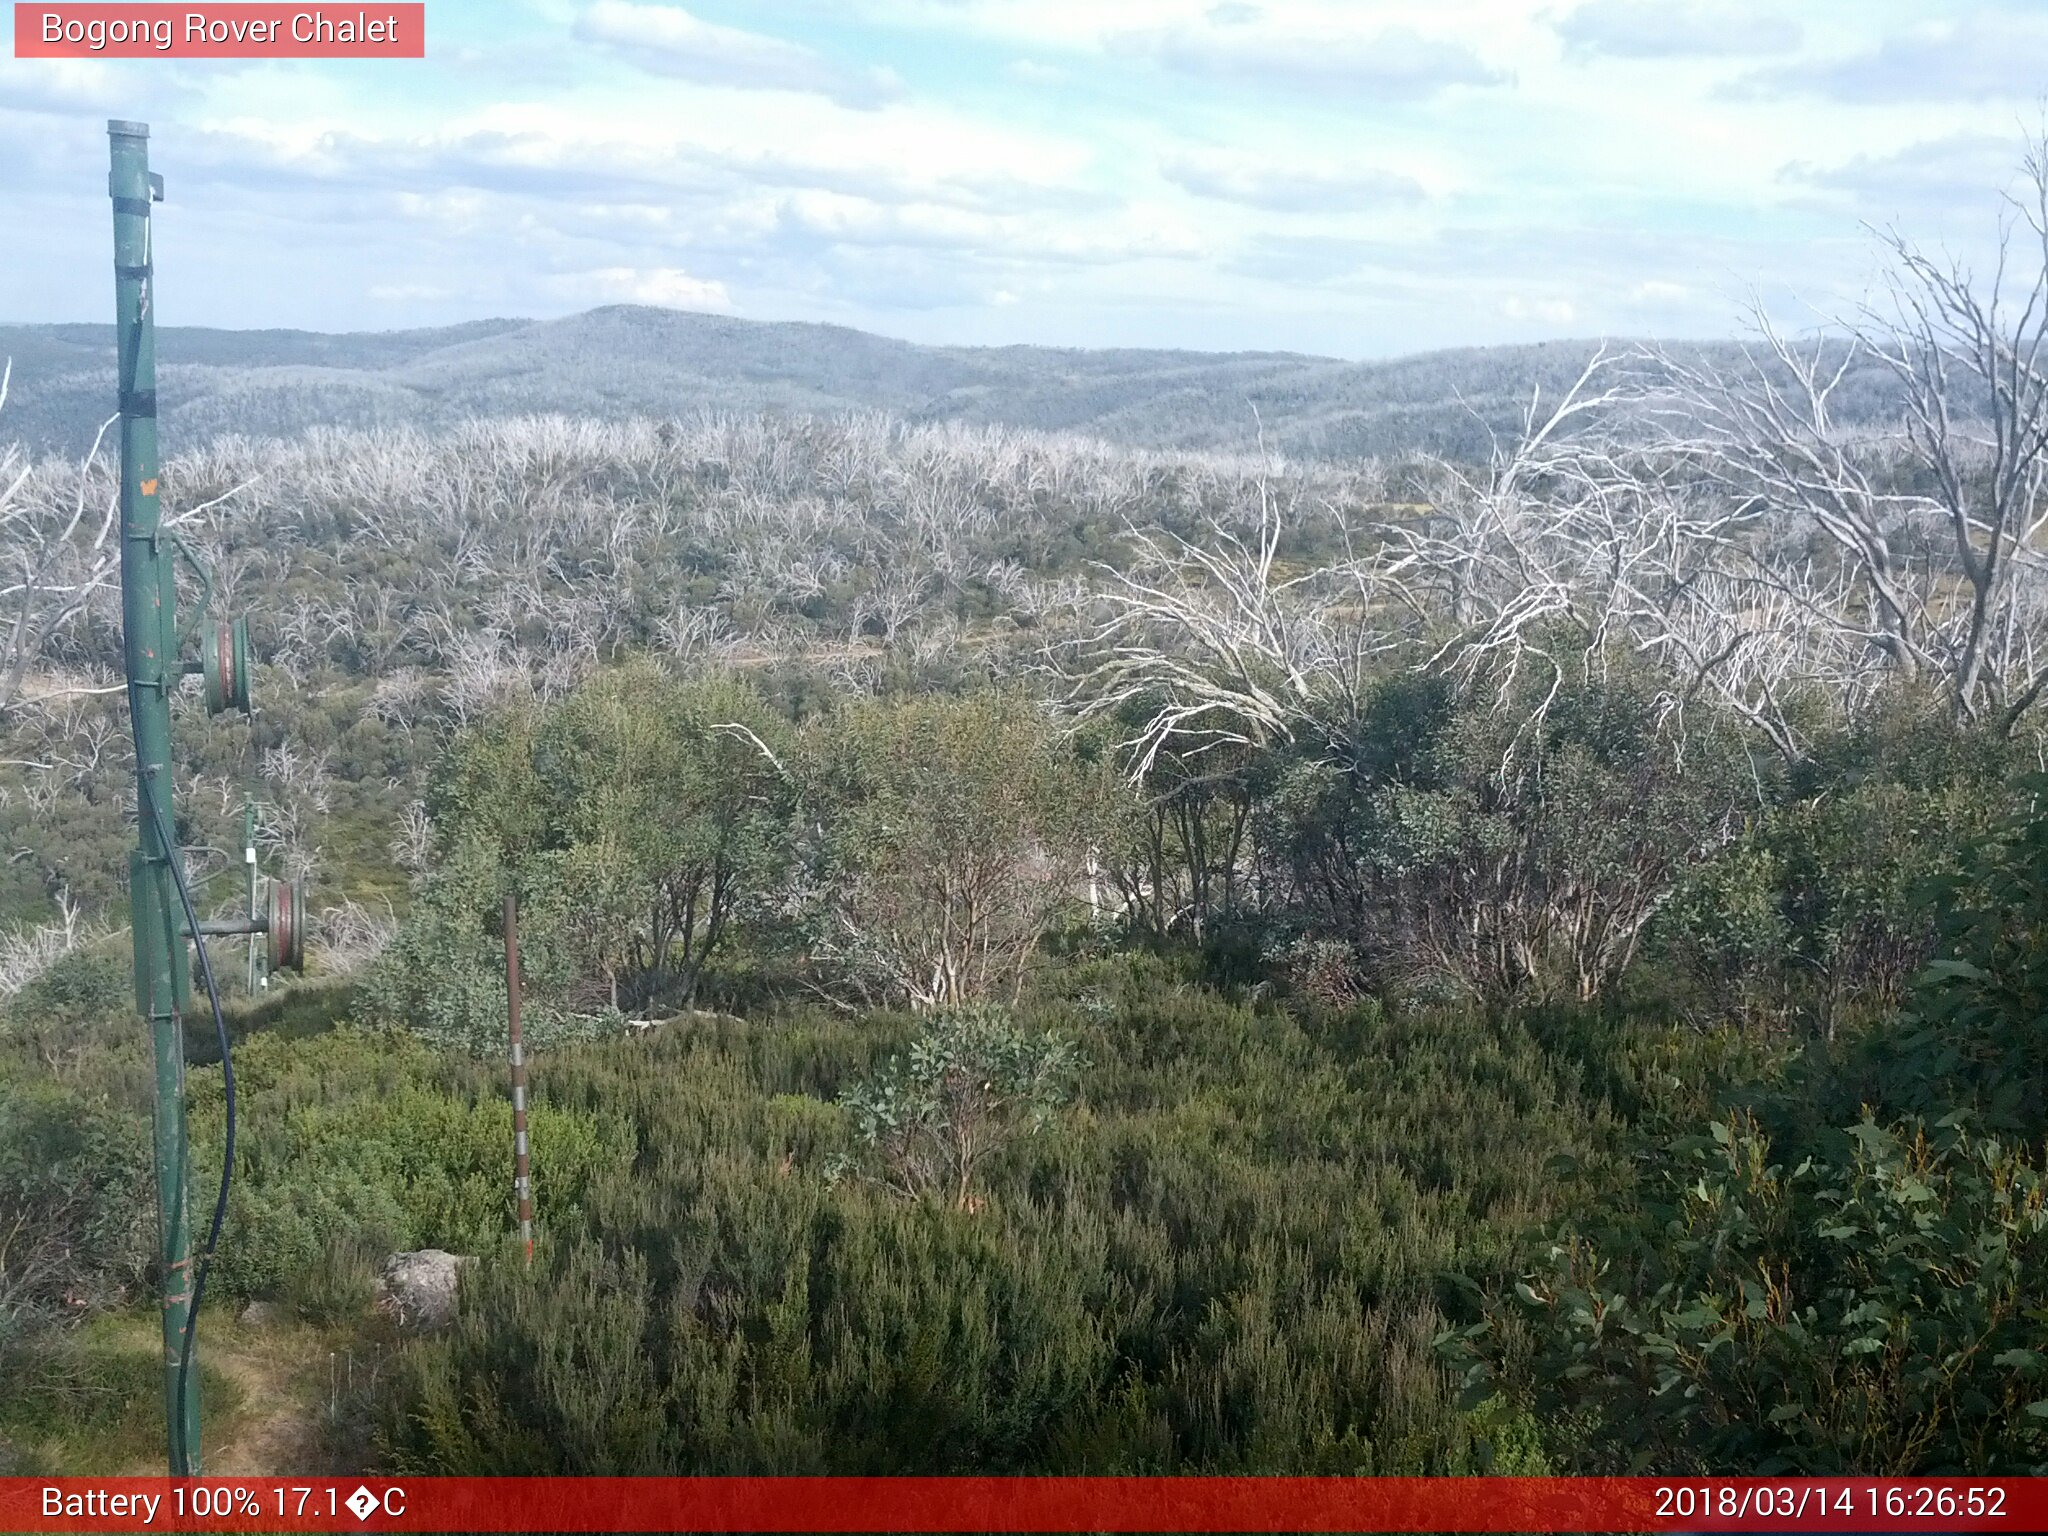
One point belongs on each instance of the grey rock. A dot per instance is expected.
(420, 1288)
(262, 1314)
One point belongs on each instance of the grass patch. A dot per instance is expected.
(90, 1401)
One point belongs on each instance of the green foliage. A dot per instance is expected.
(969, 1085)
(1727, 932)
(340, 1286)
(1182, 856)
(1236, 1252)
(1975, 1039)
(1876, 1307)
(1781, 1294)
(1462, 845)
(950, 832)
(76, 1208)
(354, 1144)
(1821, 908)
(485, 793)
(443, 974)
(92, 1398)
(637, 821)
(1227, 1259)
(83, 988)
(667, 813)
(74, 1011)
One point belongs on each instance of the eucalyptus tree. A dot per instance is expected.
(946, 836)
(667, 812)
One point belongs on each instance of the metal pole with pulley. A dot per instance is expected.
(522, 1171)
(149, 641)
(160, 897)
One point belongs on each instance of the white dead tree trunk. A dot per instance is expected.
(55, 559)
(1931, 525)
(1221, 647)
(1217, 645)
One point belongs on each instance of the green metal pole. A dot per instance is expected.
(149, 640)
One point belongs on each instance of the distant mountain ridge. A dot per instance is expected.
(632, 361)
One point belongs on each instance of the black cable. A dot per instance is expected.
(227, 1078)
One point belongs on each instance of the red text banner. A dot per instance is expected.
(221, 31)
(1051, 1504)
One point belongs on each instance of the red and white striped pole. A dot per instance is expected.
(522, 1177)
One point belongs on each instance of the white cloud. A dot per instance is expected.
(1970, 56)
(1398, 63)
(903, 151)
(697, 142)
(669, 287)
(1031, 72)
(1550, 311)
(1289, 183)
(1652, 29)
(97, 89)
(63, 84)
(1953, 181)
(1115, 235)
(668, 40)
(1091, 25)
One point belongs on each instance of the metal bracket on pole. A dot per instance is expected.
(184, 552)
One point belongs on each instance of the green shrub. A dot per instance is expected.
(1821, 910)
(970, 1084)
(949, 834)
(1874, 1307)
(372, 1143)
(82, 1401)
(84, 986)
(1973, 1039)
(77, 1213)
(1470, 843)
(341, 1285)
(1781, 1294)
(1229, 1258)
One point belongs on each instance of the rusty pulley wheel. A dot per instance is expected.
(284, 920)
(224, 659)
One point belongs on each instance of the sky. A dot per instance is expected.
(1353, 178)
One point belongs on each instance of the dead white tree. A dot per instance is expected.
(1218, 644)
(413, 844)
(27, 952)
(53, 561)
(1757, 641)
(894, 596)
(302, 776)
(697, 637)
(1929, 525)
(349, 936)
(482, 670)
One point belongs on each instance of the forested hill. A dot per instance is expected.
(622, 361)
